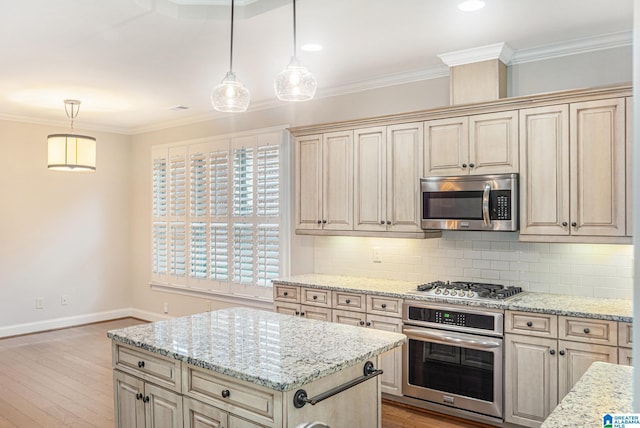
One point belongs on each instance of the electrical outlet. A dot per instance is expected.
(377, 256)
(40, 303)
(166, 308)
(64, 300)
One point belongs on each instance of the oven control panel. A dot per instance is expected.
(460, 320)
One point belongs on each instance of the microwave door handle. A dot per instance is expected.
(485, 204)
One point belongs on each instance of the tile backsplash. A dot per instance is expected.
(596, 270)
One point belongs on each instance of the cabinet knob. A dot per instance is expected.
(552, 351)
(561, 352)
(368, 324)
(348, 301)
(384, 306)
(301, 314)
(361, 322)
(472, 165)
(141, 364)
(286, 293)
(564, 223)
(139, 396)
(315, 297)
(226, 393)
(319, 221)
(586, 331)
(381, 221)
(388, 221)
(145, 399)
(324, 221)
(297, 312)
(574, 224)
(529, 324)
(464, 165)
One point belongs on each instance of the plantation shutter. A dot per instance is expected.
(216, 215)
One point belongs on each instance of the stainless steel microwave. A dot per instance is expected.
(470, 202)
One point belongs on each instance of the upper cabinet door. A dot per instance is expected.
(337, 180)
(629, 146)
(404, 163)
(370, 182)
(544, 170)
(493, 143)
(446, 147)
(308, 176)
(597, 146)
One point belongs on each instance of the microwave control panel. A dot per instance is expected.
(500, 205)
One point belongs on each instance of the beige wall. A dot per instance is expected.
(62, 233)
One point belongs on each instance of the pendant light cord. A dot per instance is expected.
(231, 48)
(294, 28)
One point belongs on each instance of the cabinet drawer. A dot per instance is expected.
(349, 301)
(531, 324)
(588, 330)
(316, 297)
(148, 366)
(357, 319)
(624, 334)
(286, 293)
(388, 306)
(232, 395)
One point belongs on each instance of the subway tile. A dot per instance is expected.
(481, 245)
(490, 274)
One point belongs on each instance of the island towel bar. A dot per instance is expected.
(300, 397)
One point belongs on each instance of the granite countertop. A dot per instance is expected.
(557, 304)
(604, 388)
(277, 351)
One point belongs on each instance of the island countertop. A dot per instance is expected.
(277, 351)
(604, 388)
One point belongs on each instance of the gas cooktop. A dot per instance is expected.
(468, 290)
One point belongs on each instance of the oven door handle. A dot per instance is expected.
(453, 338)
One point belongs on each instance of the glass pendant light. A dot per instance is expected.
(71, 152)
(230, 95)
(295, 83)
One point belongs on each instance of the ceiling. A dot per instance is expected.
(131, 61)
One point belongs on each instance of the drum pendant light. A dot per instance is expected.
(230, 95)
(295, 83)
(71, 152)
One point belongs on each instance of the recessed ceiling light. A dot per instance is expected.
(311, 47)
(471, 5)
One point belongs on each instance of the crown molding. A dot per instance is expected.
(501, 51)
(64, 124)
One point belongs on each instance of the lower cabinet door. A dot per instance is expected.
(200, 415)
(531, 379)
(128, 407)
(163, 407)
(236, 422)
(390, 361)
(575, 358)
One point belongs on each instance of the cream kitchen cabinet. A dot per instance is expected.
(387, 167)
(324, 181)
(475, 144)
(572, 175)
(138, 400)
(625, 343)
(545, 355)
(304, 302)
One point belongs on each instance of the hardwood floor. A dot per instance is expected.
(63, 378)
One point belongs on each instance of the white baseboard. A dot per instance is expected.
(57, 323)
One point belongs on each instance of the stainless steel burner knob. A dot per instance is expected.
(445, 293)
(470, 294)
(453, 292)
(438, 291)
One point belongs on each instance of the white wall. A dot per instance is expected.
(419, 260)
(62, 233)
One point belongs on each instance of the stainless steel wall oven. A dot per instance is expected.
(453, 357)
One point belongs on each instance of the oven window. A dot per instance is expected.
(451, 369)
(462, 205)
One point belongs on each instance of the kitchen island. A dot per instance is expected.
(604, 388)
(247, 368)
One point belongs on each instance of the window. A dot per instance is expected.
(217, 215)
